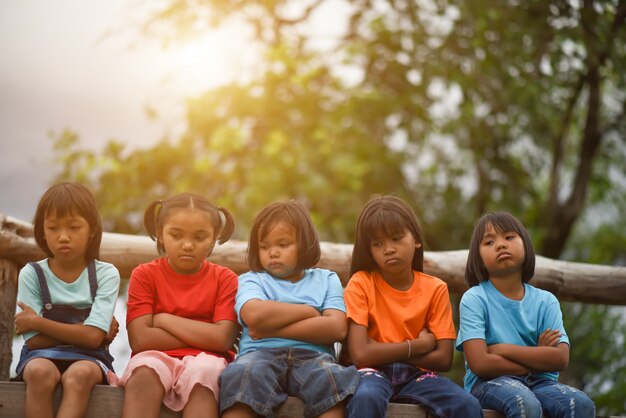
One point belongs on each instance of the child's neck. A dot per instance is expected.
(511, 287)
(68, 272)
(399, 281)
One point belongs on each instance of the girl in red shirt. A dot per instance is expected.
(181, 320)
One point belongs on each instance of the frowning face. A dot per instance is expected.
(188, 237)
(278, 252)
(502, 252)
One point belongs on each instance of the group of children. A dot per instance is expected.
(185, 314)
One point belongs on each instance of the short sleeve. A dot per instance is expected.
(29, 293)
(440, 321)
(225, 300)
(357, 306)
(553, 318)
(141, 295)
(334, 295)
(103, 306)
(472, 320)
(249, 288)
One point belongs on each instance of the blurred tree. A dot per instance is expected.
(457, 106)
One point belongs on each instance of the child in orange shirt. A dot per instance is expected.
(401, 331)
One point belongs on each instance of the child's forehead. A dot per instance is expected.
(387, 230)
(276, 228)
(62, 214)
(181, 217)
(492, 228)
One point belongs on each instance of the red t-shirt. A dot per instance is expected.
(207, 296)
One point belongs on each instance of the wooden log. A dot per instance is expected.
(567, 280)
(8, 294)
(106, 402)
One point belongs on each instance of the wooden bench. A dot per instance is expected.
(106, 402)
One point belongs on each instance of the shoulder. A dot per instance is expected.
(28, 276)
(28, 271)
(253, 276)
(428, 280)
(106, 269)
(539, 295)
(320, 274)
(149, 267)
(474, 294)
(362, 277)
(220, 271)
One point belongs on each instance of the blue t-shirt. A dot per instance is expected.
(319, 288)
(76, 294)
(487, 314)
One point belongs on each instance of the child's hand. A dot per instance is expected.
(113, 330)
(25, 320)
(428, 341)
(259, 335)
(549, 338)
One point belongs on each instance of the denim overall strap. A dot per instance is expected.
(93, 280)
(43, 285)
(45, 292)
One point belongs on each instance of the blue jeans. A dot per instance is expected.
(403, 383)
(263, 379)
(526, 397)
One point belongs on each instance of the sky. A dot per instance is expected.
(81, 65)
(72, 64)
(69, 64)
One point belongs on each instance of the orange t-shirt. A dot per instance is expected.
(392, 315)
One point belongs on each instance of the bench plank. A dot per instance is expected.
(106, 402)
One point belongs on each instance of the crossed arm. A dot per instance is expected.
(426, 352)
(165, 331)
(53, 333)
(511, 359)
(267, 319)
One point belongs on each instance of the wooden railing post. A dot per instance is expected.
(8, 295)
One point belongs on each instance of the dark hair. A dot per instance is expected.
(73, 199)
(294, 214)
(386, 214)
(158, 211)
(475, 270)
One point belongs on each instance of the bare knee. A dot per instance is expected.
(81, 376)
(41, 374)
(144, 380)
(239, 410)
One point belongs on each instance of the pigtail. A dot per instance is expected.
(228, 225)
(150, 217)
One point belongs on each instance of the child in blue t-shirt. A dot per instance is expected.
(291, 315)
(511, 332)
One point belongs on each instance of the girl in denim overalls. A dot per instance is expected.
(67, 302)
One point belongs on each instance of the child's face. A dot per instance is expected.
(501, 252)
(278, 252)
(188, 238)
(67, 236)
(394, 253)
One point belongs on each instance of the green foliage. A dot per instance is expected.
(456, 106)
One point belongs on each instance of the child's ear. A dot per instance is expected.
(418, 244)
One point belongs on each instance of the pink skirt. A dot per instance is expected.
(178, 376)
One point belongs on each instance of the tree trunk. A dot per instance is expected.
(567, 280)
(8, 295)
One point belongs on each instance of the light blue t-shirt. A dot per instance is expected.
(319, 288)
(487, 314)
(76, 294)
